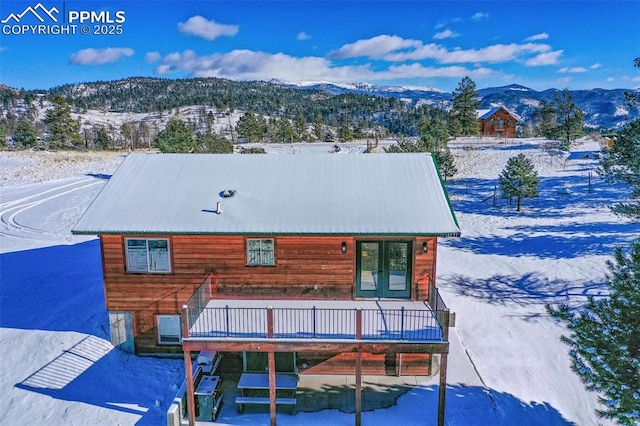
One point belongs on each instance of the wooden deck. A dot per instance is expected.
(381, 320)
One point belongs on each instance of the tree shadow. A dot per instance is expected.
(56, 288)
(525, 290)
(551, 242)
(560, 196)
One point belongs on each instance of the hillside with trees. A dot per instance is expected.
(130, 113)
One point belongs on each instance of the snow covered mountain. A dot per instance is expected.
(603, 108)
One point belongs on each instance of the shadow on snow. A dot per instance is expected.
(524, 290)
(55, 288)
(91, 372)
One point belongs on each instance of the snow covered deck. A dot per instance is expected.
(367, 320)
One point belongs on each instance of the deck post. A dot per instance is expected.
(442, 389)
(188, 370)
(358, 393)
(271, 362)
(358, 402)
(271, 359)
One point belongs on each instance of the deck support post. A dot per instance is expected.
(442, 389)
(358, 402)
(188, 370)
(191, 403)
(271, 359)
(271, 362)
(358, 393)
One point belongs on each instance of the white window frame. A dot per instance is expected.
(148, 268)
(263, 258)
(161, 335)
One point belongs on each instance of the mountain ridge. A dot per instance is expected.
(603, 108)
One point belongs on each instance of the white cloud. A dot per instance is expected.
(208, 30)
(548, 58)
(152, 57)
(397, 49)
(445, 34)
(417, 70)
(303, 36)
(479, 16)
(595, 66)
(100, 56)
(572, 70)
(536, 37)
(492, 54)
(376, 47)
(250, 65)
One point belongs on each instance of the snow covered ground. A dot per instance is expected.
(507, 365)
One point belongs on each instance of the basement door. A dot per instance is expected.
(383, 269)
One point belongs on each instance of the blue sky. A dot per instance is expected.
(538, 44)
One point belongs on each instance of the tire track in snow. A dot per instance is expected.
(11, 209)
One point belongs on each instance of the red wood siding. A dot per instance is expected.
(307, 267)
(492, 128)
(374, 364)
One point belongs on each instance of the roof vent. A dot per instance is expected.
(228, 193)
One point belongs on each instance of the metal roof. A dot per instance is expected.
(483, 114)
(369, 194)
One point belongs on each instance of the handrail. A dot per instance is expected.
(199, 299)
(319, 323)
(429, 324)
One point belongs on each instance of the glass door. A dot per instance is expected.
(383, 269)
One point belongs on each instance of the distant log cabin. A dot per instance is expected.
(327, 261)
(497, 122)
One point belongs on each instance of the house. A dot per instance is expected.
(320, 264)
(498, 122)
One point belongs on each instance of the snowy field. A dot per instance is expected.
(507, 365)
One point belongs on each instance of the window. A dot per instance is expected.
(146, 255)
(169, 329)
(260, 252)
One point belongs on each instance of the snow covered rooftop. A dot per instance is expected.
(483, 114)
(395, 194)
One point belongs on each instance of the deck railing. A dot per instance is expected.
(428, 324)
(317, 323)
(199, 299)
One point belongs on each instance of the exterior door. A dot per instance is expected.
(383, 269)
(121, 331)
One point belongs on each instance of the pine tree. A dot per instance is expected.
(318, 126)
(545, 118)
(176, 137)
(622, 161)
(604, 341)
(251, 127)
(464, 104)
(63, 130)
(25, 136)
(570, 118)
(519, 179)
(102, 138)
(446, 163)
(300, 128)
(213, 143)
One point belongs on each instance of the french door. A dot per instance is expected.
(383, 269)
